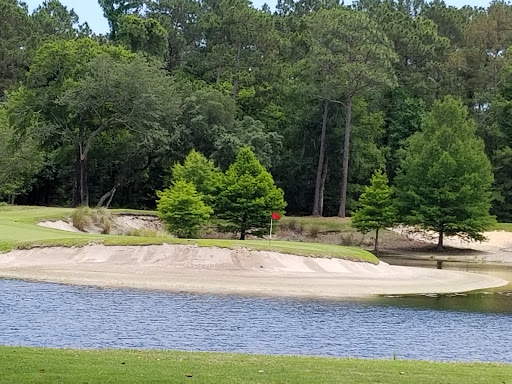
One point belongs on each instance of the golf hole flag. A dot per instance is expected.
(275, 216)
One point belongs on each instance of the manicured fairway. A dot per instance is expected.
(19, 229)
(27, 365)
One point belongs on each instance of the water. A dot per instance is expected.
(53, 315)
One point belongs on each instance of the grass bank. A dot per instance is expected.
(38, 365)
(19, 229)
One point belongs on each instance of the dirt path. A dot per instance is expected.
(215, 270)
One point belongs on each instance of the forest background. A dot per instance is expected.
(324, 94)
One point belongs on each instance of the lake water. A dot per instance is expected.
(475, 327)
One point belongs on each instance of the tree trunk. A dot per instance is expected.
(376, 247)
(242, 234)
(111, 198)
(234, 93)
(440, 245)
(321, 155)
(84, 190)
(106, 196)
(76, 181)
(219, 73)
(322, 187)
(346, 149)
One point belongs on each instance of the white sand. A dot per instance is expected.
(241, 271)
(59, 224)
(497, 247)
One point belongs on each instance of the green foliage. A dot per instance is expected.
(445, 178)
(202, 173)
(376, 209)
(144, 35)
(248, 197)
(19, 161)
(182, 209)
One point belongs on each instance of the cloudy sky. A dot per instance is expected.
(90, 11)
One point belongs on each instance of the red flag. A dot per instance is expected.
(276, 216)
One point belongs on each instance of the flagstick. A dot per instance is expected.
(270, 237)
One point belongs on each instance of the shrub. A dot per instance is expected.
(313, 231)
(182, 209)
(103, 219)
(82, 218)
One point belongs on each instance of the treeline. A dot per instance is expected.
(324, 94)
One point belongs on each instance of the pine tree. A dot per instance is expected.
(376, 207)
(248, 197)
(444, 183)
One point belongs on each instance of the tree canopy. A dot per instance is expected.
(445, 178)
(321, 92)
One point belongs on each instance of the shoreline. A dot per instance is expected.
(188, 268)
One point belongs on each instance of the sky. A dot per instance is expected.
(90, 11)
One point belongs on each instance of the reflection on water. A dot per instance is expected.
(471, 328)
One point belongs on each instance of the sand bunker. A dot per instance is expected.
(241, 271)
(59, 224)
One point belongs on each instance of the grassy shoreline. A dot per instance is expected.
(42, 365)
(19, 230)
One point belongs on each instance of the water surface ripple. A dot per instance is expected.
(53, 315)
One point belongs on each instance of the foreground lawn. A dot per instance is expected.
(36, 365)
(19, 229)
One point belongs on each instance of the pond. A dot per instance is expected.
(474, 327)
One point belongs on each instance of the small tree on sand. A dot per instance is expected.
(248, 197)
(182, 209)
(376, 207)
(445, 178)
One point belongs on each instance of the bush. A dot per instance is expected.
(182, 209)
(103, 219)
(82, 218)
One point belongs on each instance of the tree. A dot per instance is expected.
(350, 52)
(16, 39)
(444, 181)
(376, 207)
(142, 35)
(19, 162)
(182, 209)
(113, 10)
(200, 172)
(248, 197)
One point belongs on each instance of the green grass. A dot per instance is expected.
(39, 365)
(18, 229)
(323, 224)
(503, 227)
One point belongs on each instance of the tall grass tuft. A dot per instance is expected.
(103, 219)
(82, 218)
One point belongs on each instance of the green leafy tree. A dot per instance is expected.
(182, 209)
(248, 197)
(376, 207)
(19, 162)
(444, 181)
(113, 10)
(16, 43)
(143, 35)
(202, 173)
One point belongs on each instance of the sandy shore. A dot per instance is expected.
(214, 270)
